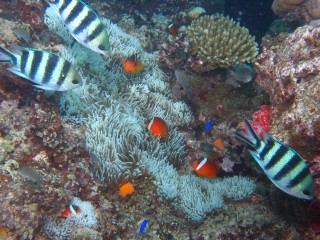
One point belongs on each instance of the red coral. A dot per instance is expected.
(260, 121)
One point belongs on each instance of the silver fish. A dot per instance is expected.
(84, 24)
(47, 70)
(283, 166)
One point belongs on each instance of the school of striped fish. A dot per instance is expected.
(47, 70)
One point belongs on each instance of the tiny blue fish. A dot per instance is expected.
(143, 226)
(208, 126)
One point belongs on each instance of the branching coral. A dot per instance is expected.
(219, 41)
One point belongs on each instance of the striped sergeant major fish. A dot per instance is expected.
(83, 24)
(47, 70)
(283, 166)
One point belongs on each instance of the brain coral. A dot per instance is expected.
(219, 41)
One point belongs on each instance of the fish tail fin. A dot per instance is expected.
(6, 56)
(249, 136)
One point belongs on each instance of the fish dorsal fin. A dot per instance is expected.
(16, 49)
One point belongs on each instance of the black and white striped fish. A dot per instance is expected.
(83, 24)
(283, 166)
(47, 70)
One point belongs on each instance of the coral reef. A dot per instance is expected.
(308, 9)
(84, 143)
(218, 41)
(280, 7)
(288, 70)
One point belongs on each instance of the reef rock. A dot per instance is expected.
(295, 8)
(288, 69)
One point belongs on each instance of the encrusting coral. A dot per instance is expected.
(218, 41)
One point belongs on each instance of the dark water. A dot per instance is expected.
(257, 16)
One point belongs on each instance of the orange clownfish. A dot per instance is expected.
(158, 127)
(206, 168)
(131, 65)
(71, 209)
(172, 29)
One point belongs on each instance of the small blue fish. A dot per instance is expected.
(143, 226)
(208, 126)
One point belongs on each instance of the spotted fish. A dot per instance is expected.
(283, 166)
(83, 24)
(47, 70)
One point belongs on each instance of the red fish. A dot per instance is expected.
(131, 65)
(172, 29)
(158, 127)
(71, 209)
(206, 168)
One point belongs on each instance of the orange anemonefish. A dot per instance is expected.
(158, 127)
(172, 29)
(131, 65)
(206, 168)
(71, 209)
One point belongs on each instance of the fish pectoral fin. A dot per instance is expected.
(17, 71)
(255, 155)
(48, 87)
(49, 93)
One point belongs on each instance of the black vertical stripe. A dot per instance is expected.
(276, 157)
(24, 59)
(50, 67)
(74, 12)
(85, 22)
(292, 163)
(64, 5)
(299, 178)
(37, 57)
(269, 145)
(64, 73)
(99, 29)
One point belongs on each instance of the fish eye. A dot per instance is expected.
(75, 81)
(101, 47)
(306, 192)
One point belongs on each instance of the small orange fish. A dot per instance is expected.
(158, 127)
(206, 168)
(218, 143)
(172, 29)
(126, 189)
(71, 209)
(131, 65)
